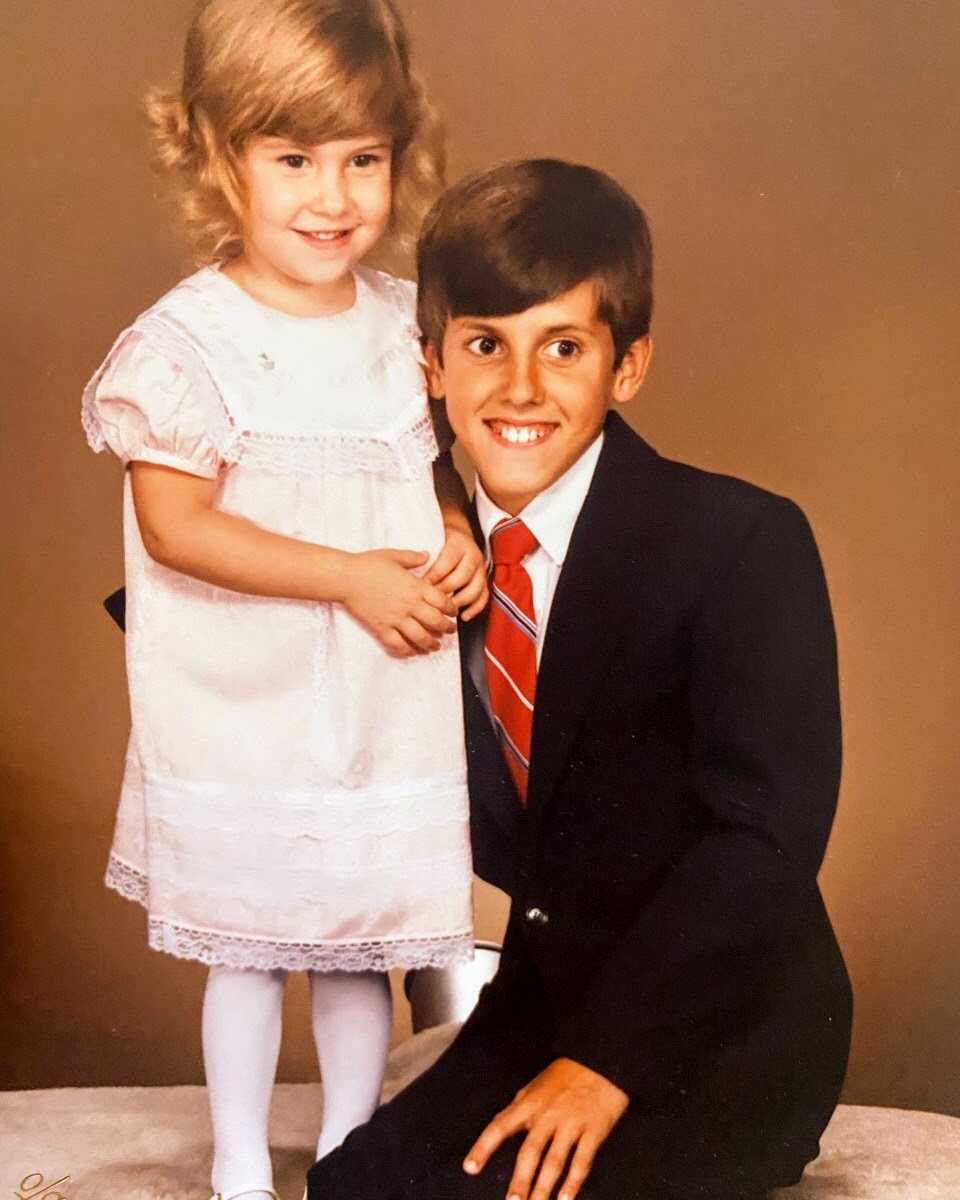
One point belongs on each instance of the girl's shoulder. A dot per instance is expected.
(397, 296)
(156, 383)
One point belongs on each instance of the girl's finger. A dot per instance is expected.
(395, 645)
(553, 1163)
(409, 558)
(436, 622)
(580, 1166)
(418, 637)
(528, 1160)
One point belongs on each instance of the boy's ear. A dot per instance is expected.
(629, 376)
(434, 372)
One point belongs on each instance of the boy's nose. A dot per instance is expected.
(524, 384)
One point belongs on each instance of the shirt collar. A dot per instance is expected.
(551, 514)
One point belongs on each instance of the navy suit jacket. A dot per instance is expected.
(684, 770)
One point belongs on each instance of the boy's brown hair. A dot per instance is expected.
(519, 234)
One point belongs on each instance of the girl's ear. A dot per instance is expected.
(434, 372)
(629, 376)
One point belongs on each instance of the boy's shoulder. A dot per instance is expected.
(712, 508)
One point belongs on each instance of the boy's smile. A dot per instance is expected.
(527, 393)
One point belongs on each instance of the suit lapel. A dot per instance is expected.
(596, 598)
(471, 647)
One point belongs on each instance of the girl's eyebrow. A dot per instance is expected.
(360, 144)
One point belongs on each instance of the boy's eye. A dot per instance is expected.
(367, 159)
(484, 345)
(563, 348)
(294, 160)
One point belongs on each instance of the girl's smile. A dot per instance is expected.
(310, 215)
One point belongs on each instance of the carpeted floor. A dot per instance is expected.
(154, 1143)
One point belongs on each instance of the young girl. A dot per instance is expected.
(295, 793)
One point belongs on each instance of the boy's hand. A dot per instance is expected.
(406, 614)
(567, 1110)
(461, 572)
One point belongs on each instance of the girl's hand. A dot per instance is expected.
(407, 614)
(461, 572)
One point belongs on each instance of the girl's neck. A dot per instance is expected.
(291, 296)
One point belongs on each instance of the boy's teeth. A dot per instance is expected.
(521, 434)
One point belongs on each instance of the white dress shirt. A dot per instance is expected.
(550, 516)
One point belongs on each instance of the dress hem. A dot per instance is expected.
(249, 953)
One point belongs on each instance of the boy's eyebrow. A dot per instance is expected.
(479, 323)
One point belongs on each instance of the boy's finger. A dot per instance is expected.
(503, 1125)
(447, 560)
(528, 1161)
(552, 1165)
(439, 599)
(460, 574)
(579, 1167)
(473, 589)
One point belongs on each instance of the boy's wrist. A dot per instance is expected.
(456, 518)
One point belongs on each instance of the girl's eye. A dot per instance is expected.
(484, 345)
(366, 159)
(294, 160)
(563, 348)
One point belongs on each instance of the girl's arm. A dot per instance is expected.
(460, 570)
(182, 530)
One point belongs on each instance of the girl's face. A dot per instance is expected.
(311, 213)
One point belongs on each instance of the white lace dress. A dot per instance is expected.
(293, 796)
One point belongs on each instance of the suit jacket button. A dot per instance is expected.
(536, 916)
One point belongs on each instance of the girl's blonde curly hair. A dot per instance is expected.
(310, 70)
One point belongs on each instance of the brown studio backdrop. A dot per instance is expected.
(799, 163)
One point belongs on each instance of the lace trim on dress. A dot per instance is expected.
(408, 456)
(221, 949)
(218, 949)
(234, 950)
(187, 329)
(127, 880)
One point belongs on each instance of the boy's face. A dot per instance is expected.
(527, 393)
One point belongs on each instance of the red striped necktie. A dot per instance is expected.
(510, 646)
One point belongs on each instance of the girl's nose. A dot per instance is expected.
(330, 194)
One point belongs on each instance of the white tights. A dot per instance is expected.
(352, 1019)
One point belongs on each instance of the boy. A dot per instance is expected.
(654, 747)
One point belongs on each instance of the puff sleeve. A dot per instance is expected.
(153, 400)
